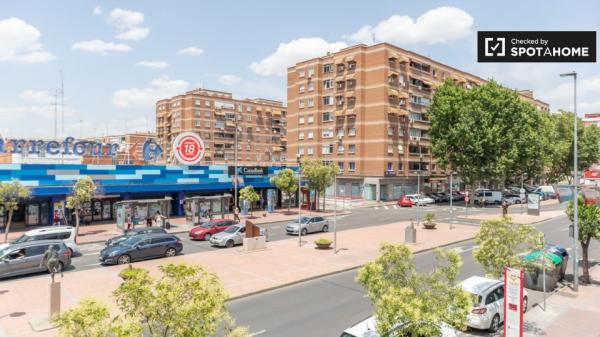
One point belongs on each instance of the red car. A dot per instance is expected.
(405, 201)
(210, 228)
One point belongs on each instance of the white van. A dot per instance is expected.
(366, 328)
(490, 197)
(64, 233)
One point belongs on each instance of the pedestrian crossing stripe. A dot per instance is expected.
(395, 207)
(385, 207)
(376, 208)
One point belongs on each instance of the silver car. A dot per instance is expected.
(233, 235)
(307, 224)
(26, 257)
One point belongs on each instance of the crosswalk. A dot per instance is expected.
(429, 208)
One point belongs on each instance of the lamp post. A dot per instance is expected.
(337, 143)
(298, 157)
(451, 197)
(419, 198)
(235, 154)
(575, 182)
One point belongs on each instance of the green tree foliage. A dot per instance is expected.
(249, 194)
(413, 304)
(319, 174)
(10, 195)
(83, 191)
(183, 301)
(287, 181)
(589, 228)
(486, 133)
(501, 241)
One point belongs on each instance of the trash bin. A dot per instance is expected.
(562, 252)
(534, 275)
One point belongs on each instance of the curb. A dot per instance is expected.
(311, 278)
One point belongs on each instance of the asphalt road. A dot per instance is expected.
(326, 306)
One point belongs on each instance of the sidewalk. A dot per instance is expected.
(568, 314)
(282, 263)
(103, 232)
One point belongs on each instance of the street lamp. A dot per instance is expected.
(236, 162)
(419, 198)
(298, 157)
(452, 173)
(575, 181)
(337, 143)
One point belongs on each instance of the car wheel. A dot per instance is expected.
(525, 304)
(124, 259)
(325, 228)
(170, 252)
(304, 231)
(207, 237)
(495, 325)
(517, 201)
(229, 243)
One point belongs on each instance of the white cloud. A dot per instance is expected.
(190, 51)
(100, 47)
(288, 54)
(41, 96)
(19, 43)
(229, 79)
(439, 25)
(159, 88)
(97, 10)
(153, 64)
(128, 24)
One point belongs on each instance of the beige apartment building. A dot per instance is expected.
(364, 108)
(214, 115)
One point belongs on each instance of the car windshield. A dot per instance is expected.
(303, 219)
(23, 238)
(206, 224)
(131, 241)
(232, 229)
(5, 251)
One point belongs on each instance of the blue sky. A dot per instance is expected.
(119, 56)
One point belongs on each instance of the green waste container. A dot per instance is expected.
(534, 275)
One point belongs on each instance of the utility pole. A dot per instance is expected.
(55, 104)
(235, 154)
(62, 103)
(299, 203)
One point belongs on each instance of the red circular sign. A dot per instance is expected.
(188, 148)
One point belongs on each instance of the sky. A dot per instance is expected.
(118, 57)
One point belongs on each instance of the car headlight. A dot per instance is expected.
(113, 253)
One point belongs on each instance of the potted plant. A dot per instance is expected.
(323, 243)
(428, 221)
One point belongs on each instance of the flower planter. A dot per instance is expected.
(429, 225)
(323, 245)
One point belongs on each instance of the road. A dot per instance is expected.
(328, 305)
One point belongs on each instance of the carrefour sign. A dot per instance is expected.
(53, 147)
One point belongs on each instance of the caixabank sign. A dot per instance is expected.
(543, 46)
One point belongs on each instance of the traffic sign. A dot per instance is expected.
(188, 148)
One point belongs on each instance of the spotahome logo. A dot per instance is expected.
(536, 46)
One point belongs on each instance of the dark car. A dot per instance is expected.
(444, 196)
(456, 196)
(436, 198)
(135, 232)
(141, 247)
(207, 229)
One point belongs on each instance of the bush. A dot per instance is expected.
(428, 219)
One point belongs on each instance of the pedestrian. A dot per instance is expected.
(158, 219)
(236, 214)
(262, 203)
(148, 222)
(129, 222)
(210, 214)
(56, 220)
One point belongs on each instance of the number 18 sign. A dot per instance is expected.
(188, 148)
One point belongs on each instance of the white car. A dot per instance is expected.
(64, 233)
(488, 302)
(512, 199)
(366, 328)
(233, 235)
(420, 199)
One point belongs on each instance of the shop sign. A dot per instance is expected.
(151, 150)
(513, 302)
(188, 148)
(249, 170)
(389, 173)
(69, 146)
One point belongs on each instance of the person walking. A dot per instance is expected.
(129, 222)
(158, 219)
(56, 220)
(236, 214)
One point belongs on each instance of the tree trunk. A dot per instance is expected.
(76, 225)
(316, 201)
(586, 265)
(8, 223)
(289, 201)
(324, 197)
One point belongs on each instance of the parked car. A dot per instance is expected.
(141, 247)
(405, 201)
(546, 192)
(307, 224)
(233, 235)
(512, 199)
(207, 229)
(445, 196)
(135, 232)
(490, 197)
(457, 196)
(488, 302)
(420, 200)
(63, 233)
(436, 198)
(366, 328)
(26, 257)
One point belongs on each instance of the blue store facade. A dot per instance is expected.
(50, 184)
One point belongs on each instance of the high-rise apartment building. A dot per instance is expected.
(364, 108)
(214, 115)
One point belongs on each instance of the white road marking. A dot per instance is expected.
(385, 207)
(395, 207)
(258, 333)
(376, 208)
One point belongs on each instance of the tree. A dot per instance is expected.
(402, 298)
(83, 190)
(10, 195)
(183, 301)
(287, 182)
(249, 194)
(589, 228)
(487, 133)
(501, 241)
(319, 174)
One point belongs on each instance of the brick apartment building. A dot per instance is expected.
(364, 108)
(214, 116)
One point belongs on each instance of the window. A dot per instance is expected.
(310, 71)
(327, 100)
(351, 166)
(328, 68)
(197, 102)
(198, 113)
(249, 118)
(339, 132)
(341, 166)
(310, 135)
(389, 166)
(351, 132)
(327, 149)
(310, 150)
(399, 166)
(197, 124)
(390, 131)
(311, 102)
(400, 132)
(339, 100)
(248, 109)
(414, 132)
(301, 88)
(327, 133)
(327, 117)
(207, 114)
(207, 103)
(311, 119)
(301, 72)
(311, 86)
(351, 66)
(301, 104)
(327, 84)
(340, 148)
(300, 150)
(390, 149)
(351, 148)
(434, 73)
(301, 120)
